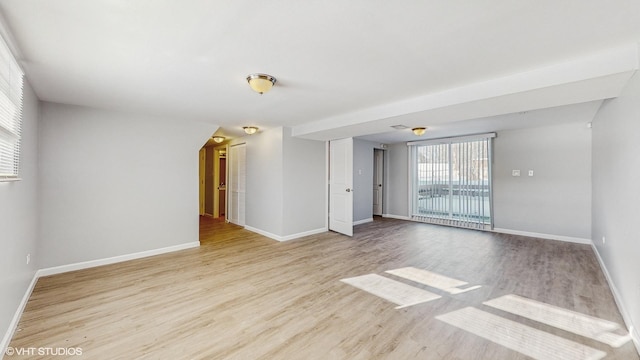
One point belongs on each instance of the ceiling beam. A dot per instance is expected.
(596, 76)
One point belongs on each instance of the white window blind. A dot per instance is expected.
(11, 83)
(451, 181)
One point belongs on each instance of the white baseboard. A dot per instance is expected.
(544, 236)
(115, 259)
(635, 335)
(363, 221)
(16, 317)
(79, 266)
(400, 217)
(285, 238)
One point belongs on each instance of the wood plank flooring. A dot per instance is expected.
(244, 296)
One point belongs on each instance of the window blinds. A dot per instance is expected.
(451, 181)
(11, 84)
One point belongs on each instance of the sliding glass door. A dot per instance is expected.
(451, 181)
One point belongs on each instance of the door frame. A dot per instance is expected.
(202, 157)
(379, 175)
(216, 179)
(341, 186)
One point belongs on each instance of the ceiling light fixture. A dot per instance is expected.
(261, 83)
(419, 131)
(218, 139)
(250, 130)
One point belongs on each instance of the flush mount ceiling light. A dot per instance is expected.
(218, 139)
(261, 83)
(250, 130)
(419, 131)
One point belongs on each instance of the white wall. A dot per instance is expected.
(616, 195)
(557, 199)
(305, 184)
(115, 183)
(286, 184)
(19, 220)
(264, 199)
(397, 183)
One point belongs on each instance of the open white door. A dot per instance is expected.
(237, 183)
(340, 186)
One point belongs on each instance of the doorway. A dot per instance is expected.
(451, 181)
(213, 181)
(220, 178)
(378, 181)
(202, 157)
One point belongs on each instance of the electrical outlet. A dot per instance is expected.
(515, 172)
(28, 258)
(530, 172)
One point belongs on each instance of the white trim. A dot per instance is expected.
(635, 336)
(544, 236)
(452, 139)
(287, 237)
(9, 178)
(363, 221)
(327, 154)
(410, 181)
(116, 259)
(13, 325)
(399, 217)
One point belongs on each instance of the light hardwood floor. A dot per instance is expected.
(244, 296)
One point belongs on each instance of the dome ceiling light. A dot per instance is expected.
(250, 130)
(419, 131)
(261, 83)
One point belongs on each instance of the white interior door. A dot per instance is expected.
(378, 166)
(341, 186)
(237, 184)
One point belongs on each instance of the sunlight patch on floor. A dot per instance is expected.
(432, 279)
(571, 321)
(396, 292)
(526, 340)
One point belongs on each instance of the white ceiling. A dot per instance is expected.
(344, 68)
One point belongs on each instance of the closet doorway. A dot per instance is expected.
(213, 181)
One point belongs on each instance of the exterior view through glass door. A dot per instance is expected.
(451, 181)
